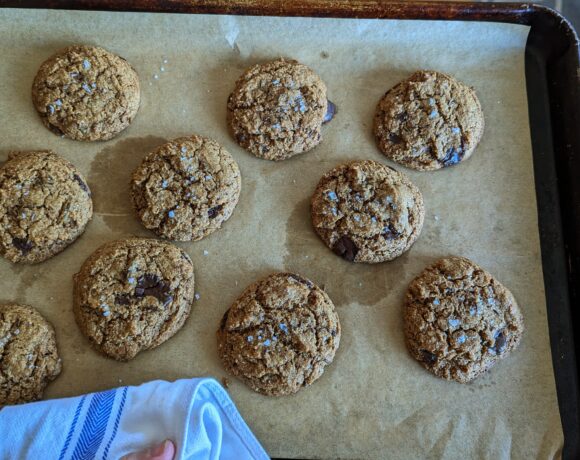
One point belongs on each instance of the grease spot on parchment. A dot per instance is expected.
(28, 276)
(110, 176)
(243, 213)
(24, 276)
(345, 282)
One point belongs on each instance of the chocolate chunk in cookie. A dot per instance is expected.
(277, 109)
(331, 111)
(133, 295)
(186, 189)
(29, 358)
(367, 212)
(86, 93)
(459, 320)
(45, 205)
(429, 121)
(279, 335)
(345, 248)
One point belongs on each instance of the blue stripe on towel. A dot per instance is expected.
(72, 427)
(119, 412)
(95, 425)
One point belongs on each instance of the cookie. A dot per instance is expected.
(367, 212)
(186, 189)
(279, 334)
(133, 295)
(429, 121)
(459, 320)
(45, 205)
(277, 109)
(86, 93)
(29, 357)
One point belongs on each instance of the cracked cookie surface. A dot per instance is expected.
(367, 212)
(45, 205)
(429, 121)
(29, 357)
(86, 93)
(277, 109)
(279, 334)
(186, 189)
(459, 320)
(133, 295)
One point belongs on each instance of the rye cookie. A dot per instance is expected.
(45, 205)
(459, 320)
(186, 189)
(277, 109)
(279, 335)
(29, 357)
(86, 93)
(132, 295)
(429, 121)
(367, 212)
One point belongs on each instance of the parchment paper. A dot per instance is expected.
(374, 400)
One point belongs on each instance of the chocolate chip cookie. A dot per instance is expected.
(28, 355)
(45, 205)
(86, 93)
(279, 335)
(367, 212)
(186, 189)
(277, 109)
(429, 121)
(459, 320)
(133, 295)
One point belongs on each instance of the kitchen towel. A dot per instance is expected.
(196, 414)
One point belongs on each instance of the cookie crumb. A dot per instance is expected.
(225, 382)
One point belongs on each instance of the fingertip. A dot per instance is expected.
(168, 450)
(162, 451)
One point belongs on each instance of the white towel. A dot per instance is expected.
(196, 414)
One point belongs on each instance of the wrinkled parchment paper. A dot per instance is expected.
(374, 400)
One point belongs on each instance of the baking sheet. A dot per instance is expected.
(374, 400)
